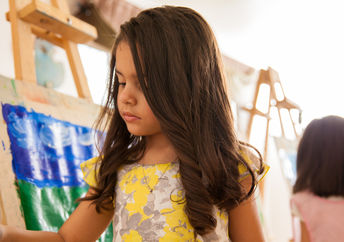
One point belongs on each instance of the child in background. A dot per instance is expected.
(318, 200)
(171, 167)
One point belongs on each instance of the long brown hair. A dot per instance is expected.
(180, 72)
(320, 158)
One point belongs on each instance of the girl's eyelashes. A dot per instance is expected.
(120, 82)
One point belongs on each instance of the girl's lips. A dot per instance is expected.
(128, 117)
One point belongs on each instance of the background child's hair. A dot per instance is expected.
(178, 65)
(320, 158)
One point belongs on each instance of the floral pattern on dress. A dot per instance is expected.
(142, 215)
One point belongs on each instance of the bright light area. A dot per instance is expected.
(263, 98)
(96, 66)
(303, 41)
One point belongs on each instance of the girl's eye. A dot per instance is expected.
(119, 80)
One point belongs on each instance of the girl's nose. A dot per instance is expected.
(126, 95)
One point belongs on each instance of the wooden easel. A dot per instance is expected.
(54, 23)
(270, 77)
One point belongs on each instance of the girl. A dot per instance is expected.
(171, 167)
(318, 200)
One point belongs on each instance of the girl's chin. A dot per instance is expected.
(136, 132)
(140, 132)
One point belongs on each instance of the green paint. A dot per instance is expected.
(48, 208)
(14, 86)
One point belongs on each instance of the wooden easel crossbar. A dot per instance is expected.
(54, 23)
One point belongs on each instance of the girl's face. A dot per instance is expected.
(131, 102)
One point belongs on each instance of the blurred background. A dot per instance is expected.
(296, 44)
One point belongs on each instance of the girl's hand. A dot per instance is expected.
(84, 224)
(3, 232)
(14, 234)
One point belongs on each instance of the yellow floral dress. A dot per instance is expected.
(153, 212)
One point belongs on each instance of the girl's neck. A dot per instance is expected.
(158, 150)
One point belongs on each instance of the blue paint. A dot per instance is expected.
(47, 151)
(3, 145)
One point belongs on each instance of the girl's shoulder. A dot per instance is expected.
(323, 217)
(258, 167)
(89, 169)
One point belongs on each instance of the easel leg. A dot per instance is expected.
(22, 44)
(77, 70)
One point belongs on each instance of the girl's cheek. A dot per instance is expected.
(119, 97)
(118, 104)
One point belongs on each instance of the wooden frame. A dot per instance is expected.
(55, 24)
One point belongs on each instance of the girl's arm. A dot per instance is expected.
(84, 224)
(304, 233)
(244, 223)
(9, 233)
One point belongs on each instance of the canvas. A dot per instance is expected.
(44, 135)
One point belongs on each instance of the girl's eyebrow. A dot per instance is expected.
(121, 74)
(118, 72)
